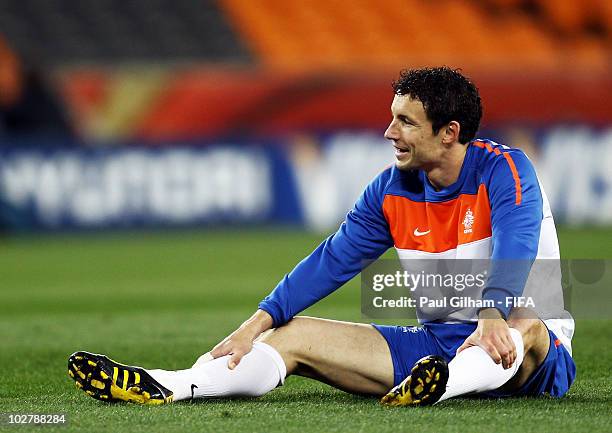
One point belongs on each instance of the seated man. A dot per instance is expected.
(448, 196)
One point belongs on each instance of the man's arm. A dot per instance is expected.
(364, 235)
(516, 218)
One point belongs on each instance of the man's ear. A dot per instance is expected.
(451, 132)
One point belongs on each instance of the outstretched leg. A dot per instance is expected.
(353, 357)
(350, 356)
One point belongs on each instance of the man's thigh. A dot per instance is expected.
(536, 341)
(354, 357)
(547, 366)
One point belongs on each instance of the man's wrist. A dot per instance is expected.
(259, 322)
(490, 313)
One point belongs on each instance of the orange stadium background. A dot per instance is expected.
(322, 65)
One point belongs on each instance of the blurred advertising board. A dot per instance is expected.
(304, 180)
(135, 186)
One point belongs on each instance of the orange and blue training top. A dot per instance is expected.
(495, 210)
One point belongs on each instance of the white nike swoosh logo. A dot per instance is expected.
(418, 233)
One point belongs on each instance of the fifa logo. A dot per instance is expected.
(468, 221)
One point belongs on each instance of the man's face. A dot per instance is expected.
(416, 146)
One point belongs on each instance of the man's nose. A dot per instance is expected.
(391, 132)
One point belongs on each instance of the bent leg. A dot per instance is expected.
(353, 357)
(474, 371)
(536, 341)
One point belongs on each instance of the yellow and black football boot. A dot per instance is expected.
(425, 385)
(104, 379)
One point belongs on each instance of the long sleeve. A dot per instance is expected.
(364, 235)
(516, 219)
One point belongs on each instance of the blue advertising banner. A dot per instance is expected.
(310, 181)
(137, 186)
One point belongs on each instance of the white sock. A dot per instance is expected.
(473, 370)
(259, 371)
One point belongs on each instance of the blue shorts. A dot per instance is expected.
(408, 344)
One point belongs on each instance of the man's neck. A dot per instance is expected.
(447, 171)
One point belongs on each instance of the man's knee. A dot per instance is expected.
(536, 344)
(532, 329)
(289, 338)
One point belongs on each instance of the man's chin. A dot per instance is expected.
(404, 165)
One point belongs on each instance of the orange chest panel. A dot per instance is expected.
(438, 227)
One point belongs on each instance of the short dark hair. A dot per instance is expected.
(446, 95)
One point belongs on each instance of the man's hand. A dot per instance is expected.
(240, 342)
(493, 335)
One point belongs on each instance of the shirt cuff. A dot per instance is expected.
(500, 297)
(273, 312)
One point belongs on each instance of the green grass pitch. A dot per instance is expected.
(159, 300)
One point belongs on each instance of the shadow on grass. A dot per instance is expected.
(324, 397)
(298, 396)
